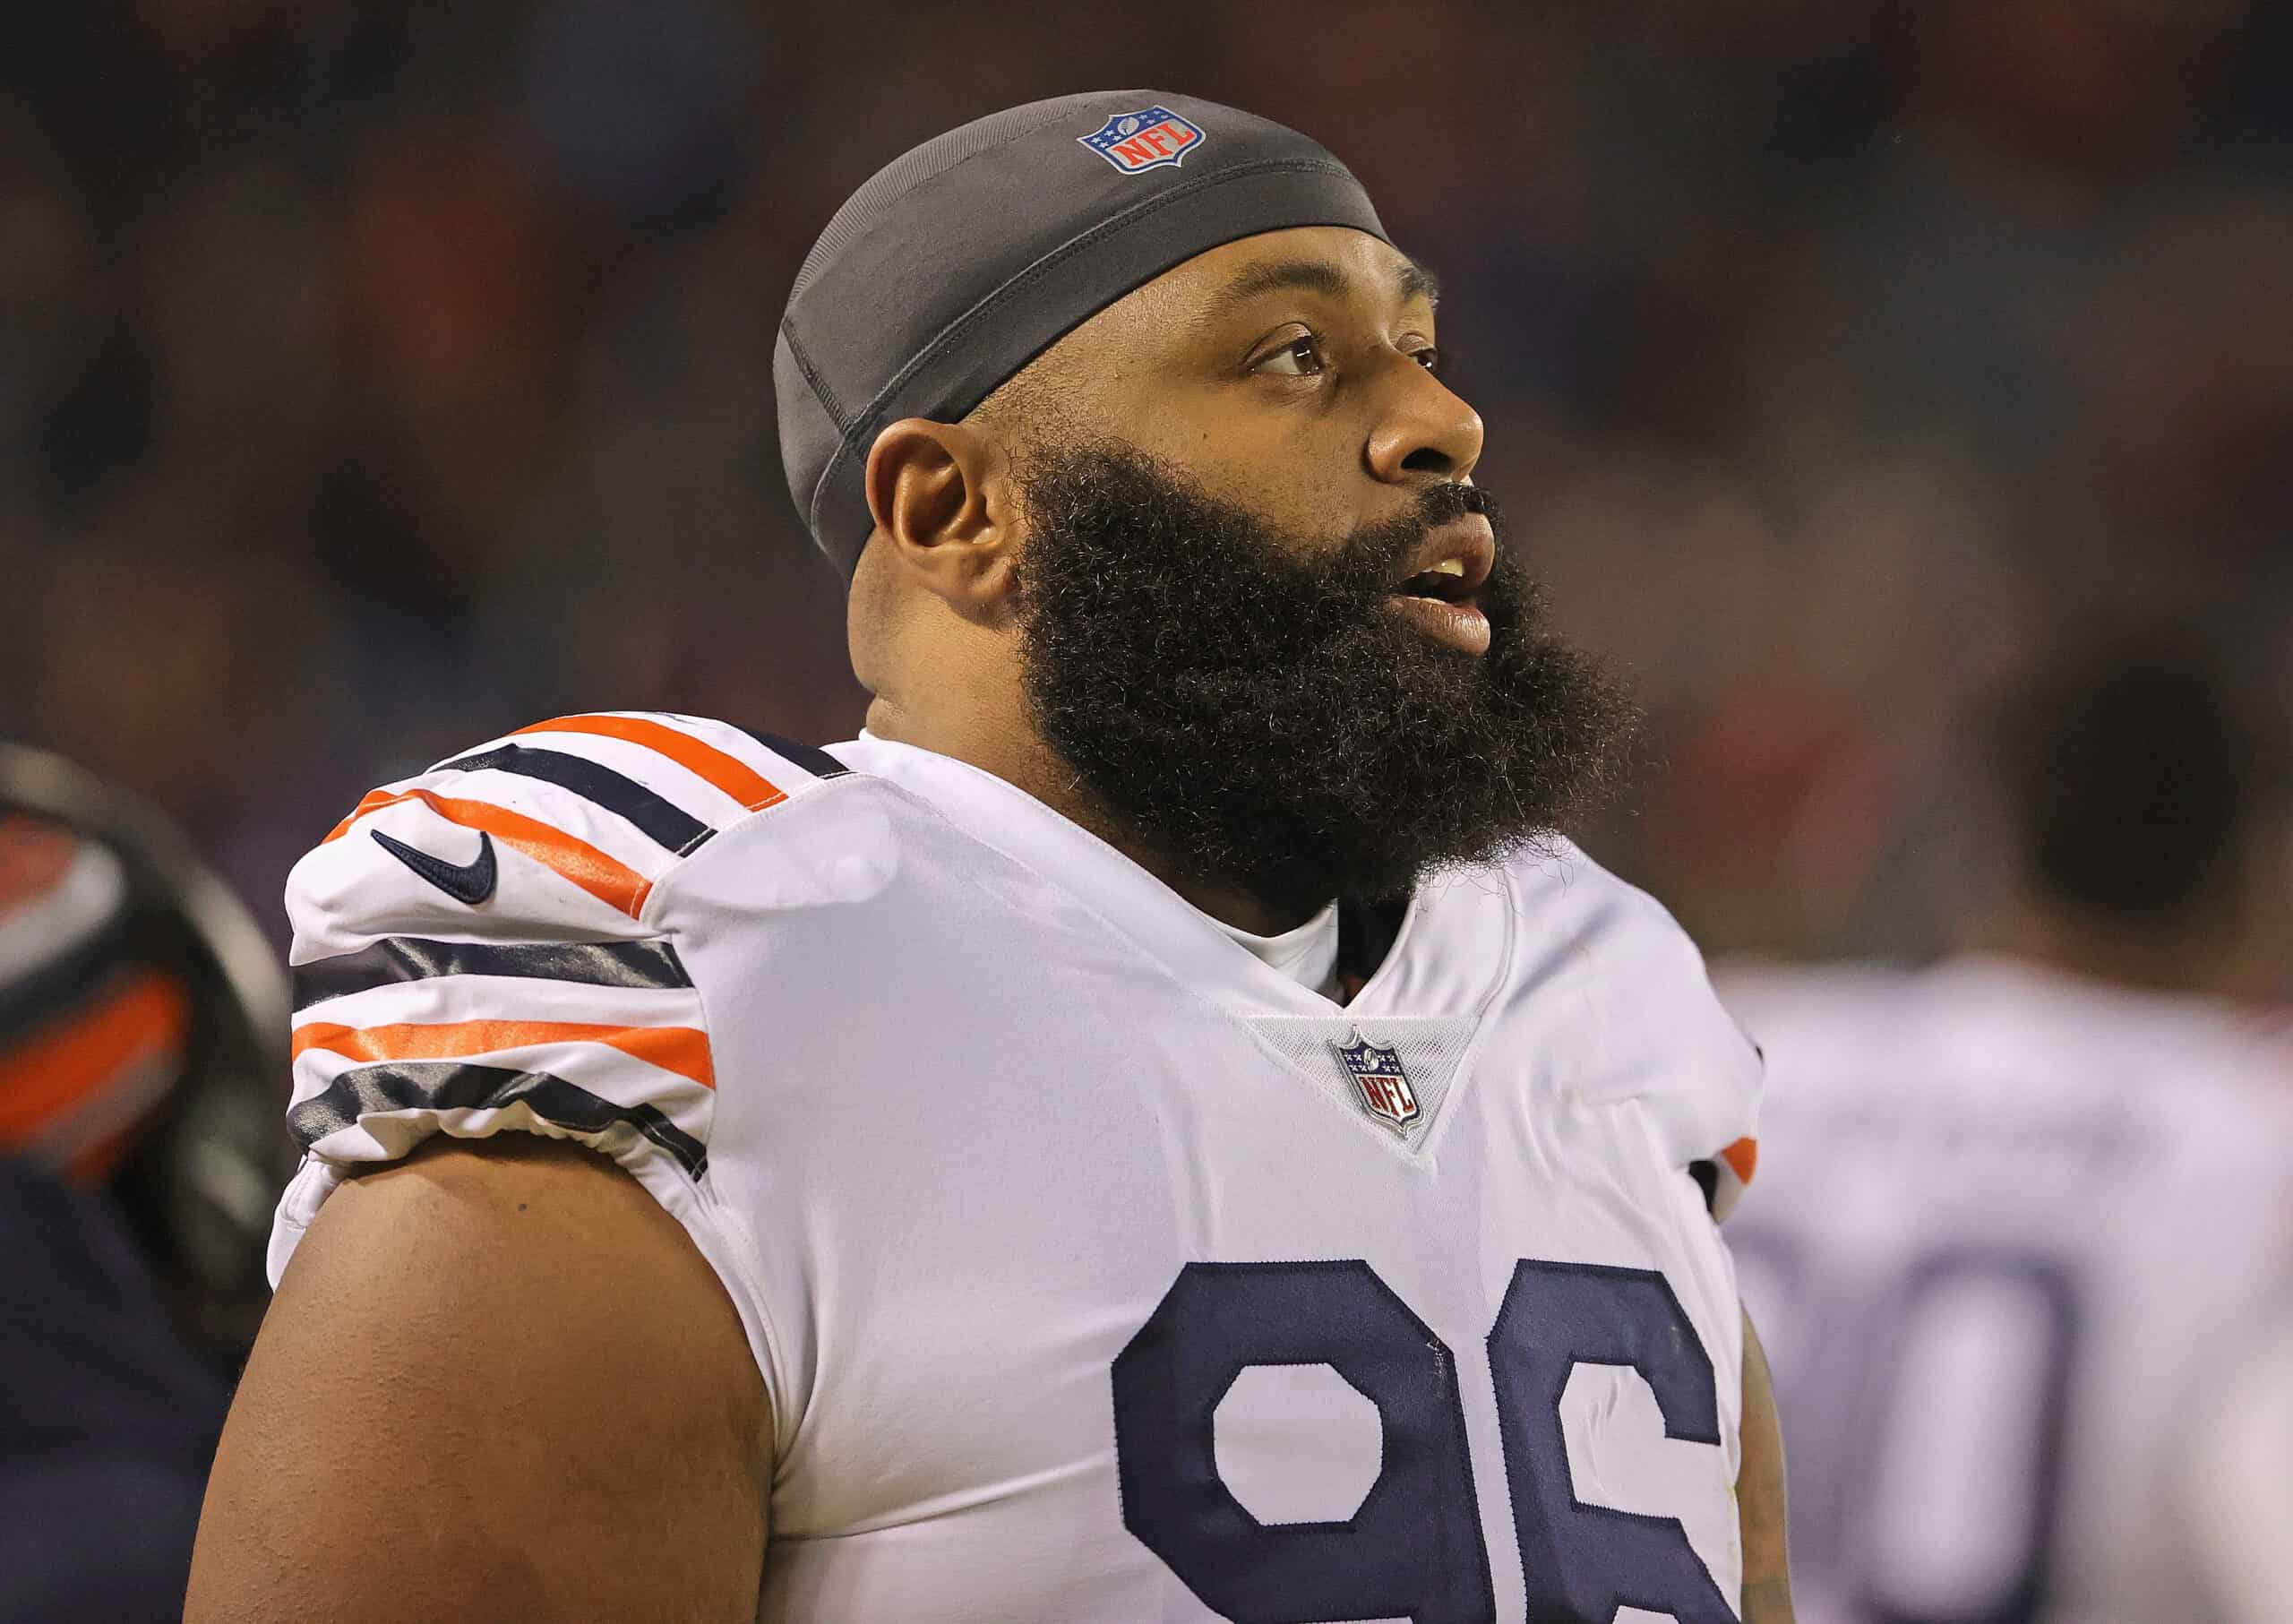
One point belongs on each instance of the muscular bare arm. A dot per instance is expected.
(494, 1384)
(1759, 1494)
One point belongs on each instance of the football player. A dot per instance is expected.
(2024, 1249)
(1159, 1127)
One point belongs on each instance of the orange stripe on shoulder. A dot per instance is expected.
(1742, 1157)
(683, 1050)
(728, 773)
(607, 879)
(374, 800)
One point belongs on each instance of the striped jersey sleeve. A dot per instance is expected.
(1725, 1176)
(474, 952)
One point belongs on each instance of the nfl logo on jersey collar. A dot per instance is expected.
(1380, 1080)
(1147, 139)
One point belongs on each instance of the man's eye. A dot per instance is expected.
(1301, 357)
(1429, 358)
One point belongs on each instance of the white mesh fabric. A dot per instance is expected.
(1430, 1049)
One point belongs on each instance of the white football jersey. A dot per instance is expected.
(2016, 1235)
(1096, 1269)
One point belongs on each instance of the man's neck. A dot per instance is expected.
(1011, 749)
(2194, 966)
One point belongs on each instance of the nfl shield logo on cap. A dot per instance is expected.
(1384, 1086)
(1136, 143)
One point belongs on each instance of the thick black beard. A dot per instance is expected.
(1249, 707)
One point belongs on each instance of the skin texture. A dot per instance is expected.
(496, 1386)
(1759, 1494)
(504, 1365)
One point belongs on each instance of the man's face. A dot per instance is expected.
(1295, 372)
(1261, 613)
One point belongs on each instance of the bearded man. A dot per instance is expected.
(1161, 1126)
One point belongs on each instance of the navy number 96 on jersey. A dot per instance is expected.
(1413, 1548)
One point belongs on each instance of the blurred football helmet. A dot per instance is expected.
(143, 1022)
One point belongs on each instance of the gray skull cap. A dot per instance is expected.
(960, 263)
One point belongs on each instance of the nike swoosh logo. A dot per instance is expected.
(471, 882)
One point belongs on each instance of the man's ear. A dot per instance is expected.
(940, 495)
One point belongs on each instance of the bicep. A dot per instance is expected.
(1759, 1494)
(498, 1383)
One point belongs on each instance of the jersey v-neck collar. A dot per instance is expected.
(1191, 944)
(1306, 953)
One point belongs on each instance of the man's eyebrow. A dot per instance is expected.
(1315, 276)
(1319, 275)
(1417, 282)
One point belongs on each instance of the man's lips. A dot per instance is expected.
(1452, 561)
(1442, 575)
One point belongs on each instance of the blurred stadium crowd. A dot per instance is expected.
(382, 374)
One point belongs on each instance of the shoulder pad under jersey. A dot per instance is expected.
(1662, 1037)
(473, 949)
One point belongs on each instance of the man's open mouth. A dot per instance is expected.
(1445, 582)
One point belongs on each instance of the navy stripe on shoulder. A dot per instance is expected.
(811, 758)
(666, 823)
(397, 958)
(460, 1086)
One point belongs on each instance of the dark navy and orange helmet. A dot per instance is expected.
(142, 1033)
(91, 1039)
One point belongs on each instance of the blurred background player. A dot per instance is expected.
(140, 1017)
(2024, 1241)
